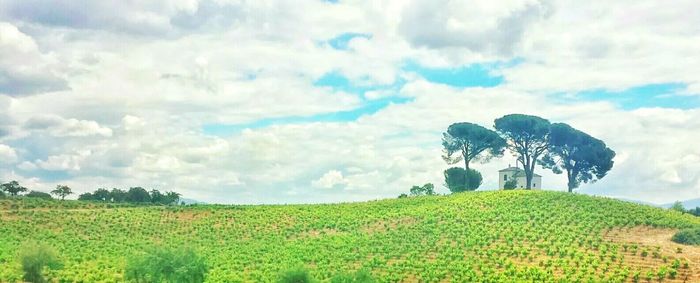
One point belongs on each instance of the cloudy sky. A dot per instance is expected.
(236, 101)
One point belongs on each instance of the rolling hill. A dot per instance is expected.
(468, 237)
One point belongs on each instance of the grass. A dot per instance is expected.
(475, 236)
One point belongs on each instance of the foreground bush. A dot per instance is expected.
(361, 276)
(36, 258)
(301, 275)
(295, 275)
(166, 265)
(687, 236)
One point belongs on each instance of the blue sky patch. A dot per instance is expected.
(338, 82)
(664, 95)
(370, 107)
(473, 75)
(341, 41)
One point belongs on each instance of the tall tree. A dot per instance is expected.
(102, 194)
(470, 142)
(172, 197)
(157, 197)
(527, 137)
(118, 195)
(583, 157)
(138, 194)
(13, 188)
(62, 191)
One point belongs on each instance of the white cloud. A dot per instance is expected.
(24, 69)
(330, 180)
(483, 27)
(61, 127)
(8, 154)
(63, 162)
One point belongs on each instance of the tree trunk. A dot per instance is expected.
(528, 174)
(571, 184)
(528, 180)
(465, 153)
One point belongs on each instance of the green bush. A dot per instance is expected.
(295, 275)
(37, 194)
(166, 265)
(459, 180)
(35, 258)
(362, 276)
(687, 236)
(510, 184)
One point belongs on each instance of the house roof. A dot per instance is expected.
(517, 170)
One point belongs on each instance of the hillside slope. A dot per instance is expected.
(478, 236)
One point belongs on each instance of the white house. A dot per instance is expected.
(519, 174)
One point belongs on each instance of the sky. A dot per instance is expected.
(232, 101)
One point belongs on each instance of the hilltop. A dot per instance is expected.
(475, 236)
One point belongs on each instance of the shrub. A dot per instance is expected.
(362, 276)
(425, 190)
(37, 194)
(459, 180)
(295, 275)
(36, 257)
(510, 184)
(687, 236)
(166, 265)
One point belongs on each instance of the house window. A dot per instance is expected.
(534, 184)
(505, 177)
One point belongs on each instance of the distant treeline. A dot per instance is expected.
(678, 206)
(133, 195)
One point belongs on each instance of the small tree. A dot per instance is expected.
(425, 190)
(35, 257)
(62, 191)
(510, 184)
(459, 180)
(694, 211)
(13, 188)
(678, 206)
(403, 195)
(86, 197)
(37, 194)
(167, 265)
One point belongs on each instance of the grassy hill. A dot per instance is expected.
(482, 236)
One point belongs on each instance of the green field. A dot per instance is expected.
(467, 237)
